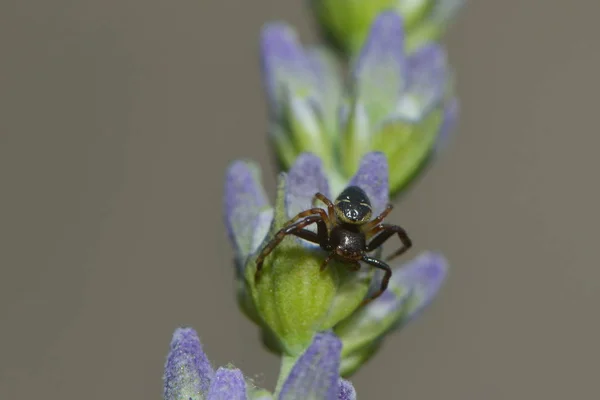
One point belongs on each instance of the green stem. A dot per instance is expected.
(287, 362)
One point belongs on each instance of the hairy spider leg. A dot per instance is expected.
(368, 227)
(322, 236)
(326, 261)
(330, 207)
(311, 211)
(387, 231)
(298, 230)
(386, 278)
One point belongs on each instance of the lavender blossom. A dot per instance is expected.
(313, 375)
(397, 102)
(294, 299)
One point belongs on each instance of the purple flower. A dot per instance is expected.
(294, 299)
(187, 371)
(314, 375)
(396, 102)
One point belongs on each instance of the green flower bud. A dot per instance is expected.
(346, 23)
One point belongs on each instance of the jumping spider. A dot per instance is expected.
(343, 231)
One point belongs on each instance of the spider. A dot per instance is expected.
(343, 231)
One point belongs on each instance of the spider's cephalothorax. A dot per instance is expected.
(346, 231)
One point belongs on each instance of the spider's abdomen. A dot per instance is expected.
(347, 243)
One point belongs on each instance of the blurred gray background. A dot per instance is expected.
(119, 117)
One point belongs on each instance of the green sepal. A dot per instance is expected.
(407, 146)
(413, 13)
(357, 139)
(350, 363)
(427, 31)
(301, 120)
(282, 146)
(260, 394)
(347, 22)
(367, 325)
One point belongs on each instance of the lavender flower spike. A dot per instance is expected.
(347, 391)
(248, 213)
(396, 100)
(292, 78)
(187, 372)
(228, 384)
(404, 118)
(315, 375)
(294, 299)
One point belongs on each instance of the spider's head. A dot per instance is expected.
(353, 206)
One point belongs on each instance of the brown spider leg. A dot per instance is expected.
(296, 229)
(386, 278)
(326, 261)
(387, 231)
(328, 203)
(377, 220)
(307, 213)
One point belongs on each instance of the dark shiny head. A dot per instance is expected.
(353, 206)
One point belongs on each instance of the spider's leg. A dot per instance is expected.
(329, 204)
(326, 261)
(377, 220)
(321, 237)
(307, 235)
(323, 226)
(283, 232)
(307, 213)
(387, 231)
(386, 278)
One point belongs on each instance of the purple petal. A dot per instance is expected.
(327, 71)
(188, 372)
(449, 123)
(427, 79)
(379, 73)
(228, 384)
(285, 65)
(422, 278)
(372, 177)
(304, 180)
(245, 206)
(385, 305)
(347, 391)
(262, 225)
(316, 373)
